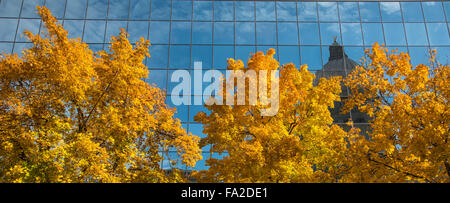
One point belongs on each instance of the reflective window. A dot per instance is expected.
(31, 25)
(433, 11)
(161, 9)
(245, 10)
(390, 11)
(289, 54)
(182, 110)
(266, 48)
(29, 8)
(354, 53)
(118, 9)
(76, 9)
(447, 9)
(349, 11)
(265, 11)
(394, 34)
(416, 34)
(10, 8)
(223, 33)
(158, 77)
(265, 33)
(96, 47)
(223, 10)
(8, 30)
(287, 34)
(438, 34)
(307, 11)
(286, 11)
(182, 10)
(202, 33)
(97, 9)
(419, 55)
(309, 34)
(137, 29)
(94, 31)
(202, 53)
(74, 28)
(243, 52)
(113, 29)
(245, 33)
(19, 47)
(140, 9)
(370, 11)
(57, 7)
(179, 56)
(443, 53)
(195, 109)
(203, 10)
(311, 55)
(373, 32)
(5, 48)
(329, 31)
(159, 55)
(351, 34)
(181, 33)
(328, 11)
(412, 12)
(221, 54)
(159, 32)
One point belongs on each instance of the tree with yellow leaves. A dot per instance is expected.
(296, 144)
(409, 133)
(69, 115)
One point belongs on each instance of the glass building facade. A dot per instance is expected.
(184, 31)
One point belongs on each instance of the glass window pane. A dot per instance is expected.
(202, 53)
(223, 10)
(113, 29)
(266, 48)
(221, 54)
(265, 11)
(96, 47)
(19, 47)
(29, 8)
(97, 9)
(390, 11)
(74, 28)
(328, 32)
(159, 32)
(438, 34)
(328, 11)
(443, 54)
(433, 11)
(202, 33)
(309, 34)
(57, 7)
(76, 9)
(415, 33)
(94, 31)
(181, 33)
(8, 30)
(223, 33)
(5, 48)
(311, 55)
(265, 33)
(394, 34)
(10, 8)
(243, 53)
(158, 78)
(195, 109)
(182, 10)
(182, 110)
(287, 34)
(307, 11)
(370, 11)
(245, 33)
(179, 57)
(351, 33)
(31, 25)
(245, 10)
(161, 9)
(118, 9)
(286, 11)
(412, 12)
(419, 55)
(137, 29)
(159, 55)
(447, 9)
(349, 11)
(203, 10)
(354, 53)
(373, 32)
(289, 54)
(139, 9)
